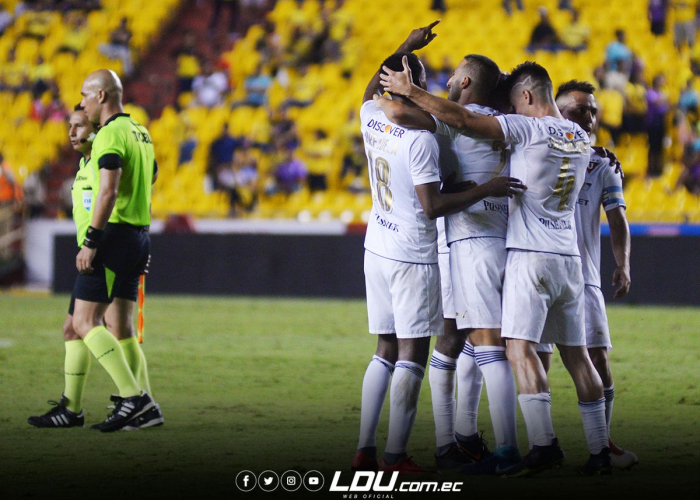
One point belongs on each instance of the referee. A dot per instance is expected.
(116, 247)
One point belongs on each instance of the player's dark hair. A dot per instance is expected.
(486, 73)
(575, 86)
(540, 82)
(394, 63)
(500, 98)
(78, 107)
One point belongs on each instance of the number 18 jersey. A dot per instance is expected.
(550, 156)
(398, 160)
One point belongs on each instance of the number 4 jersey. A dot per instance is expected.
(398, 160)
(550, 157)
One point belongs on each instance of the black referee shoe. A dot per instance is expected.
(59, 417)
(152, 418)
(125, 410)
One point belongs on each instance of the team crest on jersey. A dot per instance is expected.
(592, 165)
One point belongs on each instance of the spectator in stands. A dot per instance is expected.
(685, 25)
(187, 146)
(38, 20)
(35, 192)
(242, 178)
(118, 46)
(289, 174)
(41, 75)
(657, 16)
(690, 176)
(10, 190)
(269, 46)
(689, 98)
(284, 130)
(303, 87)
(437, 79)
(14, 74)
(222, 149)
(187, 62)
(256, 86)
(507, 5)
(6, 19)
(635, 108)
(610, 106)
(234, 11)
(657, 109)
(544, 36)
(210, 87)
(617, 52)
(565, 5)
(352, 175)
(318, 154)
(575, 34)
(617, 79)
(77, 36)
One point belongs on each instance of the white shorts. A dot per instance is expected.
(597, 331)
(543, 298)
(448, 305)
(403, 298)
(477, 266)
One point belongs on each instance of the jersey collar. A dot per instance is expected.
(114, 117)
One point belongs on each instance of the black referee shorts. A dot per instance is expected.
(121, 259)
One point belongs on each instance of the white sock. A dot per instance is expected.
(500, 387)
(609, 393)
(374, 387)
(469, 382)
(442, 386)
(537, 412)
(405, 389)
(593, 415)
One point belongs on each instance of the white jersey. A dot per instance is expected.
(479, 161)
(601, 186)
(442, 238)
(550, 157)
(399, 159)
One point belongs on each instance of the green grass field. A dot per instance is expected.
(275, 384)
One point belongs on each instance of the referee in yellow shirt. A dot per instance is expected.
(116, 247)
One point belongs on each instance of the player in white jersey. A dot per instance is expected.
(401, 263)
(543, 287)
(477, 257)
(602, 187)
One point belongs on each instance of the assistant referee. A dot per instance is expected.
(116, 247)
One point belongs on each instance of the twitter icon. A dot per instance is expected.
(268, 480)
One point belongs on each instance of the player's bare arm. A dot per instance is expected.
(620, 239)
(451, 113)
(104, 204)
(436, 204)
(416, 40)
(405, 115)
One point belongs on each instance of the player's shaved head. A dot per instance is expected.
(107, 81)
(533, 77)
(483, 72)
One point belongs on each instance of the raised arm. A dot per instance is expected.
(620, 239)
(451, 113)
(417, 39)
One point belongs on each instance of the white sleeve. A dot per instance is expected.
(612, 188)
(442, 128)
(517, 129)
(423, 157)
(367, 107)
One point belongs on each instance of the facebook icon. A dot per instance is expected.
(245, 480)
